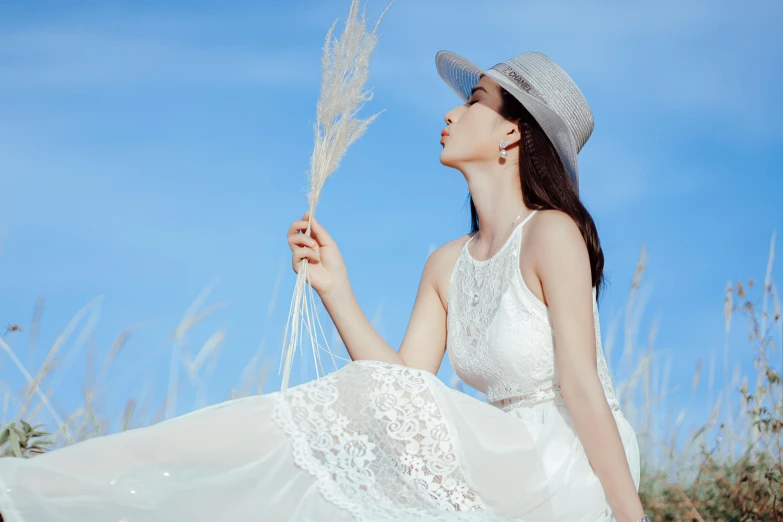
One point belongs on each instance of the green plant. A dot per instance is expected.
(22, 440)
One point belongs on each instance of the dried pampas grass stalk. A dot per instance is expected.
(345, 66)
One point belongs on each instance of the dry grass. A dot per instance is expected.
(728, 468)
(345, 65)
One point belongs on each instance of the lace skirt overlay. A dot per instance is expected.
(371, 442)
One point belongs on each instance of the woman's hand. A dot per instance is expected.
(326, 268)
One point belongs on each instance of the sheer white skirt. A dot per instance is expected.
(370, 442)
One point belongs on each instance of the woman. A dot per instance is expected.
(382, 439)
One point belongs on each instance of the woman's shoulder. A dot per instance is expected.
(442, 262)
(553, 226)
(451, 250)
(554, 235)
(552, 217)
(547, 222)
(447, 254)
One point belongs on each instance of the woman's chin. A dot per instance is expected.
(445, 160)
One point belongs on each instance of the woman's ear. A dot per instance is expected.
(513, 136)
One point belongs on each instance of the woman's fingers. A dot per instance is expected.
(300, 225)
(316, 230)
(304, 253)
(296, 226)
(296, 237)
(320, 233)
(305, 246)
(302, 240)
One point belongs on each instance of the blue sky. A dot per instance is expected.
(148, 149)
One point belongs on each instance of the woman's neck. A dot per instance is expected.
(497, 204)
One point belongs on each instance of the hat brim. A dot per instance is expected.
(462, 75)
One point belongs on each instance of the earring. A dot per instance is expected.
(503, 145)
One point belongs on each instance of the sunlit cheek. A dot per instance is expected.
(474, 140)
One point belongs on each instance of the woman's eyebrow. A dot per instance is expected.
(477, 89)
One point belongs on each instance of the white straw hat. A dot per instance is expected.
(542, 87)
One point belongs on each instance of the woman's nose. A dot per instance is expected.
(449, 117)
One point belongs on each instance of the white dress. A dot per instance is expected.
(371, 442)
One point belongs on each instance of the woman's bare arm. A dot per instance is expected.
(360, 337)
(424, 343)
(563, 266)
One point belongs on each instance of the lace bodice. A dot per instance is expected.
(503, 344)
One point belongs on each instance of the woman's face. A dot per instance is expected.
(475, 129)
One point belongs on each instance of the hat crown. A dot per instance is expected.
(541, 77)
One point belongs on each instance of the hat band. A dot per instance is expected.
(512, 74)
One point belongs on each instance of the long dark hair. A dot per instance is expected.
(545, 182)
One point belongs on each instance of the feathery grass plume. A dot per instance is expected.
(345, 67)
